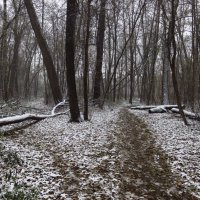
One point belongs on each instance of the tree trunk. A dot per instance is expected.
(131, 71)
(115, 43)
(70, 57)
(165, 62)
(99, 57)
(51, 72)
(12, 86)
(3, 54)
(85, 76)
(172, 55)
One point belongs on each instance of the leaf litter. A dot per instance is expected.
(181, 143)
(113, 156)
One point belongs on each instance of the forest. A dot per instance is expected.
(122, 50)
(128, 71)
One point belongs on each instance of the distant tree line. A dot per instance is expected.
(100, 50)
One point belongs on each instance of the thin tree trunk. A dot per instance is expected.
(85, 76)
(115, 49)
(165, 71)
(13, 79)
(172, 55)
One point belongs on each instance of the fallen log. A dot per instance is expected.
(163, 108)
(142, 107)
(63, 103)
(156, 109)
(24, 117)
(169, 107)
(188, 114)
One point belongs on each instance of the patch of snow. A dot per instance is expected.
(80, 153)
(180, 142)
(36, 170)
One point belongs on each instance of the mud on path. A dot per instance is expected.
(112, 157)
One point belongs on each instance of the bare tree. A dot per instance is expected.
(165, 61)
(85, 76)
(72, 8)
(99, 57)
(3, 53)
(51, 72)
(172, 51)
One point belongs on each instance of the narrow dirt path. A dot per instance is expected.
(145, 169)
(112, 157)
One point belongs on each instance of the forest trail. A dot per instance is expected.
(114, 157)
(146, 169)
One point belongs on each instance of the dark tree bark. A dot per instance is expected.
(51, 72)
(115, 15)
(172, 55)
(99, 58)
(3, 54)
(165, 62)
(70, 57)
(131, 72)
(85, 76)
(195, 53)
(126, 52)
(132, 51)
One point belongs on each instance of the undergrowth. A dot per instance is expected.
(10, 188)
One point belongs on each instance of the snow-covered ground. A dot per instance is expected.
(180, 142)
(34, 169)
(83, 161)
(60, 157)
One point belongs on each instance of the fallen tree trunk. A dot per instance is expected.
(20, 118)
(24, 117)
(187, 114)
(142, 107)
(163, 108)
(156, 109)
(63, 103)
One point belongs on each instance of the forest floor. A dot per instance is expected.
(113, 156)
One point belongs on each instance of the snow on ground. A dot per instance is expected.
(181, 143)
(82, 161)
(27, 168)
(78, 152)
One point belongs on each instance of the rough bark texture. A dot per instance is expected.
(99, 58)
(70, 54)
(51, 72)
